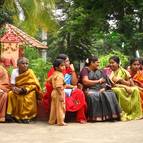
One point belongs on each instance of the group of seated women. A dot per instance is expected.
(107, 94)
(98, 94)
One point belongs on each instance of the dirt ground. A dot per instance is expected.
(41, 132)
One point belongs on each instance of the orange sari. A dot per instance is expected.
(138, 79)
(4, 87)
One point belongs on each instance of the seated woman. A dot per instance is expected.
(75, 99)
(137, 75)
(128, 95)
(4, 87)
(22, 104)
(102, 104)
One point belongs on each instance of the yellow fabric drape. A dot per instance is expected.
(128, 96)
(24, 106)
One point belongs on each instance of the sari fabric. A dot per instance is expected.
(24, 106)
(138, 79)
(75, 102)
(100, 105)
(128, 96)
(4, 87)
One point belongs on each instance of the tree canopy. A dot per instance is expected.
(98, 27)
(85, 27)
(36, 14)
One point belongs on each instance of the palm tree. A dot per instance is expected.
(36, 14)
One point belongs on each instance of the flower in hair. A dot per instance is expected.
(87, 61)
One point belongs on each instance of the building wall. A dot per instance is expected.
(10, 53)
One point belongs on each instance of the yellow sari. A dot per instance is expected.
(128, 96)
(24, 106)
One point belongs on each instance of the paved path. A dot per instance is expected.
(41, 132)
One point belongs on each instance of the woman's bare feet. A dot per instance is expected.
(83, 121)
(51, 123)
(62, 124)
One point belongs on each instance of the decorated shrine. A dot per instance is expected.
(11, 44)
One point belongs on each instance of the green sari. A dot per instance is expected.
(128, 96)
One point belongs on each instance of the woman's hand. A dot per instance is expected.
(16, 90)
(72, 67)
(120, 80)
(117, 80)
(1, 92)
(101, 90)
(80, 86)
(101, 80)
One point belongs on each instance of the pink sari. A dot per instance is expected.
(4, 87)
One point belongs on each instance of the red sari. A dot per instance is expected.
(138, 79)
(75, 103)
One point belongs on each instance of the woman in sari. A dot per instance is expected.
(75, 99)
(128, 95)
(4, 87)
(102, 104)
(22, 103)
(137, 75)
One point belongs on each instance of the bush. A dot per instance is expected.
(40, 68)
(31, 53)
(37, 64)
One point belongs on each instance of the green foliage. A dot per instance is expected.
(38, 14)
(87, 31)
(2, 31)
(10, 69)
(31, 52)
(40, 67)
(5, 16)
(104, 59)
(73, 36)
(37, 64)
